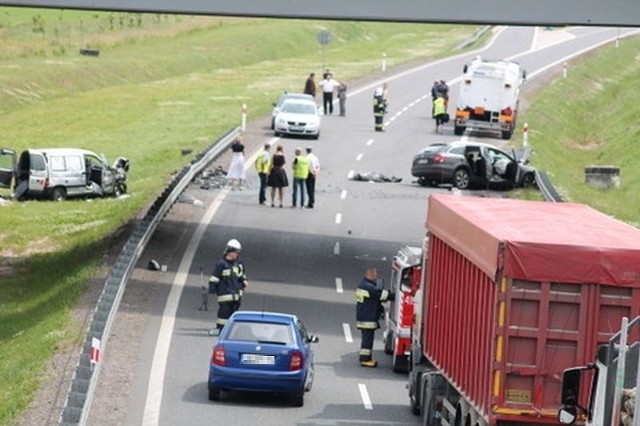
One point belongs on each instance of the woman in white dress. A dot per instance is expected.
(236, 174)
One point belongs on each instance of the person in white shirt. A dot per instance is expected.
(314, 169)
(328, 85)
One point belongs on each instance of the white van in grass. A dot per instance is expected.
(58, 173)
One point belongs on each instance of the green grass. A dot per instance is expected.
(161, 83)
(590, 118)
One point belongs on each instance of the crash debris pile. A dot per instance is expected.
(375, 177)
(628, 404)
(211, 179)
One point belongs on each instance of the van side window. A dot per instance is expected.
(74, 163)
(37, 162)
(57, 163)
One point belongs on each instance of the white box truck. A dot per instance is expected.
(488, 98)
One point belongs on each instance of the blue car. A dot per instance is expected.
(263, 352)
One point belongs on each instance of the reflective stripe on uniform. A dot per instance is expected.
(214, 280)
(385, 295)
(228, 298)
(365, 352)
(221, 321)
(226, 272)
(367, 324)
(361, 294)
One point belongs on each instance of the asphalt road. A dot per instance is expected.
(307, 262)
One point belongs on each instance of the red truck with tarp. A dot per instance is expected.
(513, 293)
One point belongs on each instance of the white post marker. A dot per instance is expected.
(243, 126)
(525, 135)
(94, 353)
(384, 62)
(564, 70)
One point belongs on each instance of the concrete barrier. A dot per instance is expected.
(602, 177)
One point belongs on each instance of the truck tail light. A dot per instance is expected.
(218, 356)
(507, 111)
(296, 361)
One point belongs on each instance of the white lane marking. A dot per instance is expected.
(336, 248)
(369, 142)
(364, 394)
(347, 332)
(343, 194)
(359, 157)
(151, 416)
(350, 174)
(338, 218)
(339, 288)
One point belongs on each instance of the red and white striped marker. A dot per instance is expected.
(244, 117)
(94, 353)
(525, 134)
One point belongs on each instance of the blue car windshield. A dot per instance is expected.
(262, 332)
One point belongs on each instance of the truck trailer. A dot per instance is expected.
(514, 292)
(488, 97)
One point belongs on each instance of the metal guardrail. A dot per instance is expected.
(83, 384)
(546, 187)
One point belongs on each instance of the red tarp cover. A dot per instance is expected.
(542, 241)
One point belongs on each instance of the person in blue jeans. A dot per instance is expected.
(300, 168)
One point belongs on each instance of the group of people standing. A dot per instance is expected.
(272, 173)
(328, 86)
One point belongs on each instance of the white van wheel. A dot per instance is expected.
(59, 194)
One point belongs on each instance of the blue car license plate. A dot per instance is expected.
(258, 359)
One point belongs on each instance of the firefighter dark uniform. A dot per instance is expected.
(379, 109)
(368, 310)
(228, 282)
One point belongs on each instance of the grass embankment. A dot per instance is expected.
(161, 83)
(591, 118)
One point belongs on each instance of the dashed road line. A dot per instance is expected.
(338, 218)
(364, 394)
(343, 194)
(336, 248)
(359, 157)
(347, 332)
(339, 288)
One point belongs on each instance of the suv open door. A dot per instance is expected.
(7, 167)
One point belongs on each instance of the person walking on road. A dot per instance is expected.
(262, 165)
(439, 111)
(314, 169)
(300, 168)
(369, 298)
(277, 179)
(310, 85)
(342, 99)
(236, 174)
(379, 109)
(228, 281)
(328, 86)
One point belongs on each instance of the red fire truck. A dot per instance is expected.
(406, 271)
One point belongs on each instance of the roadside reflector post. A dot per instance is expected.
(243, 126)
(384, 62)
(525, 134)
(564, 70)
